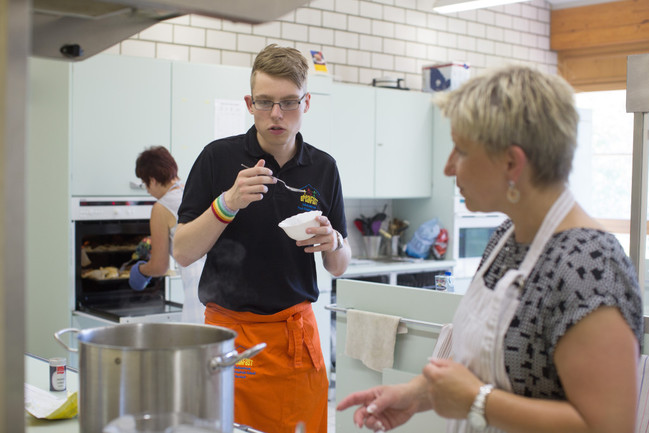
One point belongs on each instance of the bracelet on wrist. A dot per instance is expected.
(341, 242)
(221, 210)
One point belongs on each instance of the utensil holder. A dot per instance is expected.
(393, 246)
(372, 246)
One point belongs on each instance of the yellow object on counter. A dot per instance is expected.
(45, 405)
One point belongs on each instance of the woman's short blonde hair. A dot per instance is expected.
(281, 62)
(518, 105)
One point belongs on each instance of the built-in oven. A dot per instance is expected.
(471, 233)
(107, 232)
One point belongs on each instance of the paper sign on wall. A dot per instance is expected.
(229, 118)
(318, 61)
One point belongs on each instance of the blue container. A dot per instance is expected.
(423, 239)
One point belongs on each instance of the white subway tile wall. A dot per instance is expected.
(185, 35)
(362, 40)
(172, 52)
(162, 32)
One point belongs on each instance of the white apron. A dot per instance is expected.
(193, 309)
(484, 315)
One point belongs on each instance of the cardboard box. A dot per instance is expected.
(444, 76)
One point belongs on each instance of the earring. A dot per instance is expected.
(513, 194)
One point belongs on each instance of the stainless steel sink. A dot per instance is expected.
(395, 260)
(363, 261)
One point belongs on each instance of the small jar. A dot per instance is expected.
(440, 282)
(444, 282)
(58, 371)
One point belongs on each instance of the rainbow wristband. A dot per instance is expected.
(221, 211)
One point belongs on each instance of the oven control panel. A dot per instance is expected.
(110, 208)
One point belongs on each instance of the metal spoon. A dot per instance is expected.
(290, 188)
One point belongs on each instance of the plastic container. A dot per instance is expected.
(58, 370)
(444, 76)
(450, 282)
(424, 237)
(444, 283)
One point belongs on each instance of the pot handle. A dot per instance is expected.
(57, 337)
(231, 358)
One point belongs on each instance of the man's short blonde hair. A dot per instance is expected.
(518, 105)
(281, 62)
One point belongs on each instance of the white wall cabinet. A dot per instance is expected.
(119, 106)
(353, 138)
(404, 144)
(383, 141)
(440, 203)
(207, 103)
(317, 123)
(381, 138)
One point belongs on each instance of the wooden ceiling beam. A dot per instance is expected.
(593, 42)
(617, 22)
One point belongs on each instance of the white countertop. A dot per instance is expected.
(359, 267)
(37, 374)
(37, 371)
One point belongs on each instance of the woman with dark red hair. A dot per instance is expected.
(159, 172)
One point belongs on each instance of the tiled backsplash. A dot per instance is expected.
(368, 208)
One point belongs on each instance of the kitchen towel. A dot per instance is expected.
(371, 338)
(442, 349)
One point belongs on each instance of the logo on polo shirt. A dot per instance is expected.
(309, 199)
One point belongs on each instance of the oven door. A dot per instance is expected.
(471, 235)
(103, 245)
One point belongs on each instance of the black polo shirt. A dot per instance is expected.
(255, 266)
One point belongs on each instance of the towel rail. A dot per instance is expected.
(336, 308)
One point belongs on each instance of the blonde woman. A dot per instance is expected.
(548, 335)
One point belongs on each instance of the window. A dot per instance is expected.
(603, 161)
(602, 169)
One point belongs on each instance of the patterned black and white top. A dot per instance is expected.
(579, 270)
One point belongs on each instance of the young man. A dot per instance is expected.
(258, 281)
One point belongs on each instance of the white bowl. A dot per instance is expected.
(295, 226)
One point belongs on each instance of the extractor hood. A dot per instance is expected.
(77, 29)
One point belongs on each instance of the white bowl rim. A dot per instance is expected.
(296, 219)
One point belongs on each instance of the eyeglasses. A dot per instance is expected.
(286, 105)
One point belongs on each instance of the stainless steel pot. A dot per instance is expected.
(156, 368)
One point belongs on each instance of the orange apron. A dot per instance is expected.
(287, 381)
